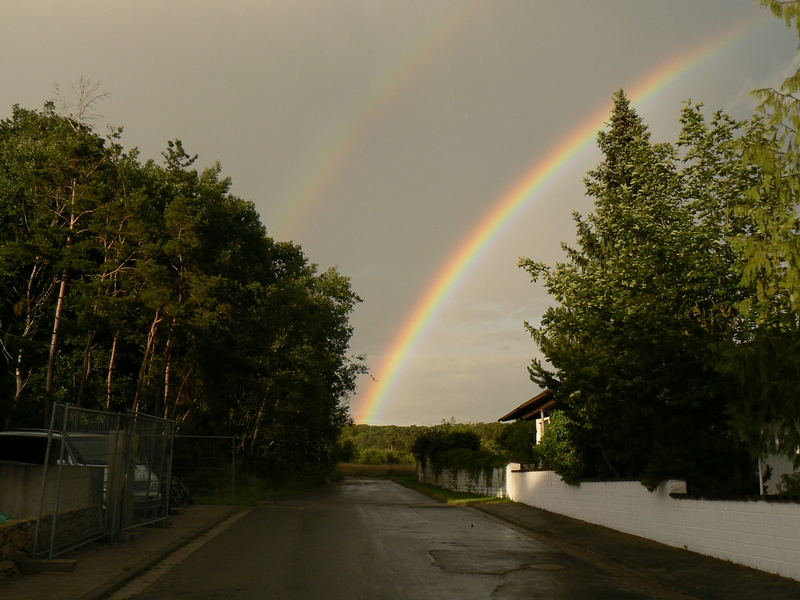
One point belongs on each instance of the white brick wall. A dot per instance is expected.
(763, 535)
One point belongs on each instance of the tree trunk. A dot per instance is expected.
(18, 379)
(62, 294)
(19, 382)
(86, 368)
(111, 364)
(259, 419)
(32, 308)
(172, 414)
(256, 427)
(167, 371)
(185, 416)
(51, 361)
(145, 366)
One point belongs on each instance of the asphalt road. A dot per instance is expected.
(372, 539)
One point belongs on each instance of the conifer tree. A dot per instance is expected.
(638, 308)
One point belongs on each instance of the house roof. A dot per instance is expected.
(531, 409)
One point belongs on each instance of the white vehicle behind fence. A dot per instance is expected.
(81, 449)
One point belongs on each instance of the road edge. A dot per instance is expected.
(115, 583)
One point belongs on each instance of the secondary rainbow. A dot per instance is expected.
(556, 160)
(334, 150)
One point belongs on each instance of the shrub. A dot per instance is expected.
(432, 444)
(378, 456)
(344, 451)
(456, 450)
(557, 450)
(789, 485)
(518, 442)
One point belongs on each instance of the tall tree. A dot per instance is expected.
(51, 177)
(764, 366)
(165, 295)
(640, 302)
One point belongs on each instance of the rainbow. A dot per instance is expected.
(542, 171)
(334, 149)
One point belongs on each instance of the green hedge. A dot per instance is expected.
(457, 450)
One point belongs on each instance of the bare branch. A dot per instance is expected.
(6, 353)
(78, 106)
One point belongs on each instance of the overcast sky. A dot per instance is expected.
(378, 133)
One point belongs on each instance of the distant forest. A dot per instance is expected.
(387, 444)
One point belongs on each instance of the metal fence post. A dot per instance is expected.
(233, 465)
(44, 480)
(168, 489)
(57, 507)
(115, 480)
(126, 501)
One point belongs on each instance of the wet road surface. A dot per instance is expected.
(373, 539)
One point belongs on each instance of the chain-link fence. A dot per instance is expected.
(149, 464)
(103, 472)
(204, 466)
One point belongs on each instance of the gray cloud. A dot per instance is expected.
(452, 102)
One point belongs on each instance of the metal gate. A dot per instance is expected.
(103, 472)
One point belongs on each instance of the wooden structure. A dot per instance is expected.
(536, 409)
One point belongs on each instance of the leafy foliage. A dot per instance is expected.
(641, 302)
(434, 443)
(517, 441)
(151, 287)
(789, 485)
(395, 443)
(674, 344)
(451, 448)
(374, 456)
(556, 450)
(763, 367)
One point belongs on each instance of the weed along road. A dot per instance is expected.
(373, 539)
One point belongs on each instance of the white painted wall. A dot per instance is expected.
(462, 481)
(762, 535)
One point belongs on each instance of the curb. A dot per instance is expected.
(105, 589)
